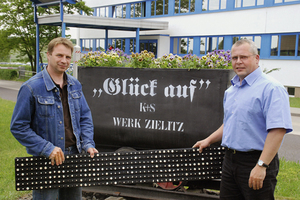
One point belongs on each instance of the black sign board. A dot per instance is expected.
(153, 108)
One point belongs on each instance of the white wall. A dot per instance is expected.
(289, 73)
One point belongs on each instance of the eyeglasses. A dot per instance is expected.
(242, 58)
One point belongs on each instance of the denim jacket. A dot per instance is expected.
(38, 121)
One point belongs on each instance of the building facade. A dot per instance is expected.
(200, 26)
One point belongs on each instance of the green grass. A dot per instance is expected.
(295, 102)
(10, 149)
(288, 186)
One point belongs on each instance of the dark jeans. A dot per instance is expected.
(235, 176)
(72, 193)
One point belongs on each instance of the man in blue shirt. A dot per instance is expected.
(256, 118)
(51, 117)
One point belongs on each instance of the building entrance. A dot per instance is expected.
(149, 45)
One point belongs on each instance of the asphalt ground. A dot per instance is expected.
(290, 148)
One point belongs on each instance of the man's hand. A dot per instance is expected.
(201, 145)
(92, 152)
(57, 156)
(257, 177)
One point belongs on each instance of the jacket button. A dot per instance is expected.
(61, 138)
(60, 122)
(58, 106)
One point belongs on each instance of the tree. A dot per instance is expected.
(17, 18)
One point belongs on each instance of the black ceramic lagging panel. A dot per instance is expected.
(119, 168)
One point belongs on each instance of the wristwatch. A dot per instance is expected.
(262, 164)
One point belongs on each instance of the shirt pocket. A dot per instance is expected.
(76, 96)
(45, 107)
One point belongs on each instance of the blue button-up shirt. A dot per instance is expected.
(251, 109)
(38, 120)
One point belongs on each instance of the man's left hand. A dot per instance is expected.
(257, 177)
(92, 152)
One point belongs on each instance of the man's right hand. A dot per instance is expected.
(57, 156)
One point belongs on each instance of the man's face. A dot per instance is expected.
(243, 61)
(59, 60)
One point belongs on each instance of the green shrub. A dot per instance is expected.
(8, 74)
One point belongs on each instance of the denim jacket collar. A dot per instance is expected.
(50, 85)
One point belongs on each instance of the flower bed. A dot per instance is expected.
(218, 59)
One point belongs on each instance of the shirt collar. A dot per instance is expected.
(50, 84)
(250, 79)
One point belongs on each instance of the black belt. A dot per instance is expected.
(233, 151)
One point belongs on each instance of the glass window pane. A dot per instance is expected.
(213, 43)
(183, 46)
(152, 8)
(214, 5)
(159, 7)
(234, 39)
(132, 10)
(223, 4)
(202, 45)
(166, 7)
(290, 0)
(248, 3)
(204, 5)
(247, 37)
(132, 45)
(260, 2)
(176, 11)
(175, 45)
(191, 45)
(124, 11)
(299, 45)
(278, 1)
(274, 45)
(257, 41)
(118, 11)
(221, 43)
(192, 6)
(287, 45)
(138, 10)
(237, 3)
(184, 6)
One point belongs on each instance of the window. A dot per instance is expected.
(284, 1)
(285, 45)
(100, 45)
(102, 12)
(137, 10)
(213, 4)
(248, 3)
(87, 45)
(183, 45)
(291, 91)
(118, 44)
(132, 45)
(209, 44)
(274, 45)
(159, 7)
(120, 11)
(184, 6)
(299, 45)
